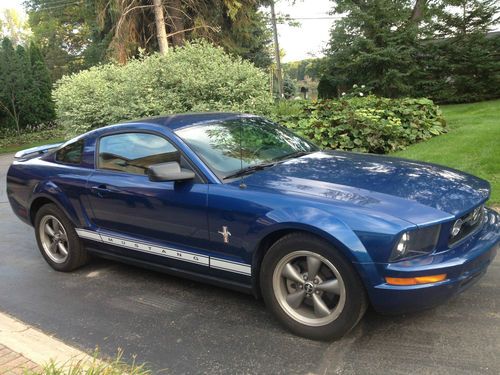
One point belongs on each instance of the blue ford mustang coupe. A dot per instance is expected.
(236, 200)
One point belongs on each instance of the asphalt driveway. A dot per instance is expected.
(181, 326)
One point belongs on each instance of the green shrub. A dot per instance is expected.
(11, 141)
(196, 77)
(283, 109)
(364, 124)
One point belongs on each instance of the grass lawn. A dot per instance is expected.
(471, 145)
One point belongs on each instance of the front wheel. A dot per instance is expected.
(311, 288)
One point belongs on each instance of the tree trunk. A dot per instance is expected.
(418, 10)
(161, 33)
(14, 114)
(464, 19)
(277, 51)
(177, 21)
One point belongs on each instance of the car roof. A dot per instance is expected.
(171, 122)
(177, 121)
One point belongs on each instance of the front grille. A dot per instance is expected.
(466, 225)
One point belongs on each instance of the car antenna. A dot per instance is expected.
(242, 180)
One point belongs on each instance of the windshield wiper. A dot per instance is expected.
(249, 169)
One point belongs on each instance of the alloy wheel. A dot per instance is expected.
(309, 288)
(54, 239)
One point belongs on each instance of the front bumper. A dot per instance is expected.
(464, 264)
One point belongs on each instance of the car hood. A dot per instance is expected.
(412, 190)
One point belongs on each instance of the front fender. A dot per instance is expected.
(321, 223)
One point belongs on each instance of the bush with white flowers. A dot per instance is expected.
(196, 77)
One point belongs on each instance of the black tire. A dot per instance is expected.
(356, 300)
(77, 255)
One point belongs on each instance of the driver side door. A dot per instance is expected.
(126, 205)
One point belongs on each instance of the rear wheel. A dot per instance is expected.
(57, 240)
(311, 288)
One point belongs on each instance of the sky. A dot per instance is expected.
(11, 4)
(311, 37)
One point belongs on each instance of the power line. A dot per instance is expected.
(62, 5)
(55, 2)
(314, 18)
(284, 19)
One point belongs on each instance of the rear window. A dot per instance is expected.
(71, 154)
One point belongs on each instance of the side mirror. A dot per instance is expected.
(170, 171)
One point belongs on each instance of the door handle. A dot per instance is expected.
(102, 190)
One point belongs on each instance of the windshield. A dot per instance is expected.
(262, 142)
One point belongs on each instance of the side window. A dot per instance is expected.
(71, 154)
(134, 152)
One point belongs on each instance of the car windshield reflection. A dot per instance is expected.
(228, 147)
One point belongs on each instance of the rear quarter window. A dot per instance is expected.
(70, 154)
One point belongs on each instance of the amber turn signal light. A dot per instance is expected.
(415, 280)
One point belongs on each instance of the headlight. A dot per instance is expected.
(416, 242)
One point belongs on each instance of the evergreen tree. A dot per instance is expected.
(463, 64)
(12, 85)
(474, 67)
(248, 36)
(44, 108)
(27, 93)
(289, 88)
(437, 49)
(461, 17)
(25, 97)
(374, 45)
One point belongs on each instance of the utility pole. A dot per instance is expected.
(279, 76)
(161, 32)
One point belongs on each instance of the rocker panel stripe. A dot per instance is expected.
(230, 266)
(186, 256)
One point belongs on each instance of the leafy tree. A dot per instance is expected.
(65, 31)
(297, 70)
(79, 34)
(13, 26)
